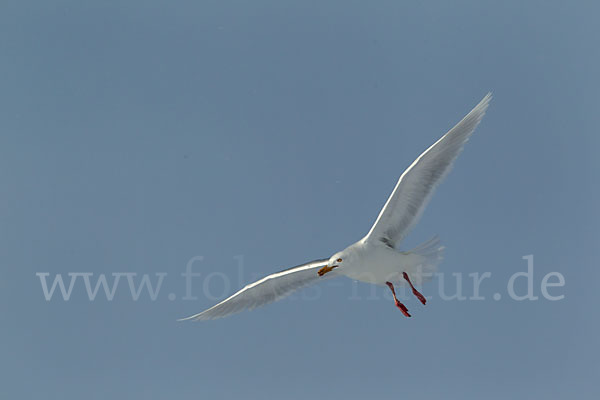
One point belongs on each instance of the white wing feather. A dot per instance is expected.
(416, 185)
(267, 290)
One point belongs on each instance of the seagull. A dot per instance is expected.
(376, 258)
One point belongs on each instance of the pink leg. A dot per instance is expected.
(415, 291)
(401, 306)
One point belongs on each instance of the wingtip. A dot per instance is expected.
(486, 99)
(198, 317)
(190, 318)
(480, 109)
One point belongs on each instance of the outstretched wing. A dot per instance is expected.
(267, 290)
(416, 185)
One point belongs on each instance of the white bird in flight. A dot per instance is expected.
(375, 258)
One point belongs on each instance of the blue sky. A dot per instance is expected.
(137, 135)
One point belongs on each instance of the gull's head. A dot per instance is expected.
(335, 261)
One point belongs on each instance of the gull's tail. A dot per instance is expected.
(424, 260)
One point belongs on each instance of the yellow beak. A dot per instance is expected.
(326, 269)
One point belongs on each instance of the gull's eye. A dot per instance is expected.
(339, 260)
